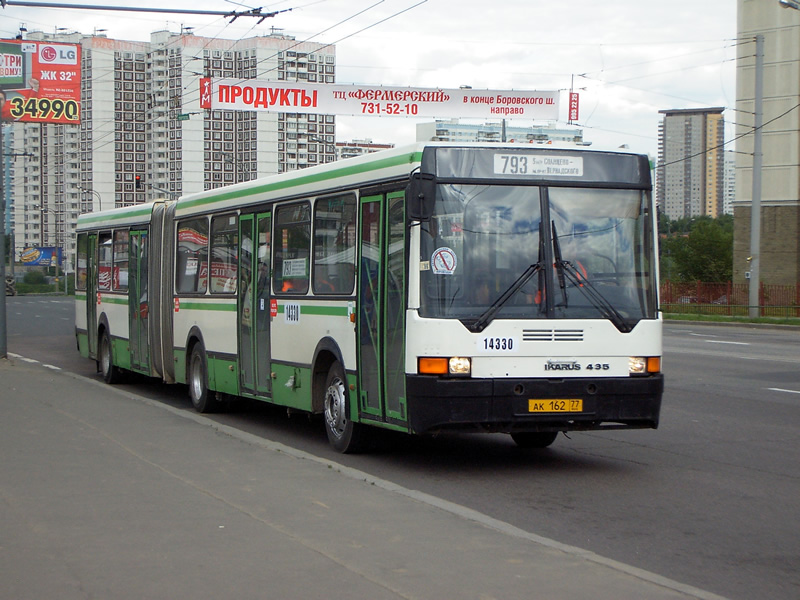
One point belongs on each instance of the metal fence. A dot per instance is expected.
(729, 299)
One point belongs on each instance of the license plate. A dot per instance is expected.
(555, 405)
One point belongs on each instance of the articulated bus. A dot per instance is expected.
(438, 287)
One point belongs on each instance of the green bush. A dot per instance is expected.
(35, 288)
(34, 277)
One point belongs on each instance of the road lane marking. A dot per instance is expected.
(33, 361)
(782, 390)
(722, 342)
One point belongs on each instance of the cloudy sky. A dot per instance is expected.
(627, 58)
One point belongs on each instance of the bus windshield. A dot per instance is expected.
(538, 252)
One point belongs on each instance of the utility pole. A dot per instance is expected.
(755, 209)
(3, 331)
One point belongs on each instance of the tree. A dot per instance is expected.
(705, 253)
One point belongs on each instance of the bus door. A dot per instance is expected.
(91, 293)
(138, 301)
(254, 304)
(381, 308)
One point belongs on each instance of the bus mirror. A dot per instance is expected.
(421, 196)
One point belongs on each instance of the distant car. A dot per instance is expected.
(687, 300)
(720, 300)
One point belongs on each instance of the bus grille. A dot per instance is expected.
(552, 335)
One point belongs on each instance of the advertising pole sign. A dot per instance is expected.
(574, 105)
(40, 82)
(376, 101)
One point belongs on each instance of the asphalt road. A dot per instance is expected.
(711, 498)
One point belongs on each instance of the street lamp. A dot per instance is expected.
(96, 193)
(319, 140)
(790, 4)
(172, 195)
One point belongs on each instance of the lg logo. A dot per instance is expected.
(61, 55)
(48, 54)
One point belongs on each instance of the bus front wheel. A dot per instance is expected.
(534, 439)
(110, 372)
(344, 435)
(197, 377)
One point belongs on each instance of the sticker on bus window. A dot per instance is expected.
(444, 261)
(295, 267)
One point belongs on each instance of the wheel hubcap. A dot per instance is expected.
(196, 384)
(106, 357)
(335, 408)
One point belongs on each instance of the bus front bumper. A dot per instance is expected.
(505, 405)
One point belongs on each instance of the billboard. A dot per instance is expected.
(45, 256)
(40, 82)
(376, 101)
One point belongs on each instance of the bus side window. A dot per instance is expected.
(334, 244)
(292, 249)
(104, 264)
(191, 269)
(82, 264)
(224, 254)
(119, 278)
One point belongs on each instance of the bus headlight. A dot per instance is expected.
(455, 365)
(460, 365)
(644, 365)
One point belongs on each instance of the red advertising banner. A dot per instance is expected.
(40, 82)
(376, 101)
(573, 106)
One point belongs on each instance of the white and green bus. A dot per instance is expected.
(438, 287)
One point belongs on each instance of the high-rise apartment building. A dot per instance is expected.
(143, 134)
(730, 182)
(690, 176)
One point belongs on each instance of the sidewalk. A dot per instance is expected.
(106, 494)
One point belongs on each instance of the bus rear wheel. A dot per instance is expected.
(344, 435)
(197, 377)
(534, 439)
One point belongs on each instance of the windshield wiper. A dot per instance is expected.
(567, 270)
(483, 321)
(597, 299)
(558, 263)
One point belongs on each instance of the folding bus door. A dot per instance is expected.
(381, 308)
(254, 304)
(91, 293)
(138, 301)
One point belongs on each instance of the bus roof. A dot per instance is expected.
(396, 163)
(359, 171)
(118, 217)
